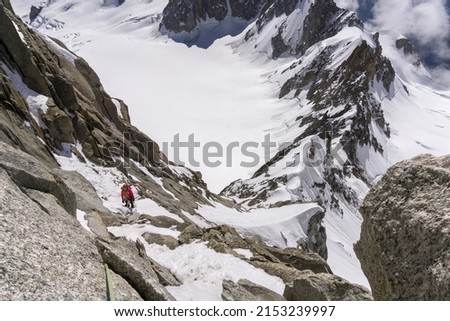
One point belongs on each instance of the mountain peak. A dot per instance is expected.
(200, 22)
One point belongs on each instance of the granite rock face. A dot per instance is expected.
(405, 241)
(45, 253)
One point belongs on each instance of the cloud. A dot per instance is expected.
(352, 5)
(441, 76)
(427, 21)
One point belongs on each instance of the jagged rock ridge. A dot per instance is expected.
(339, 113)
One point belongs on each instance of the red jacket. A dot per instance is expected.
(127, 193)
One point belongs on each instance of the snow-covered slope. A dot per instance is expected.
(352, 104)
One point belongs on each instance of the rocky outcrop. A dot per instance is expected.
(31, 175)
(307, 275)
(317, 236)
(123, 258)
(245, 290)
(325, 287)
(186, 16)
(179, 16)
(7, 5)
(301, 260)
(405, 245)
(115, 3)
(408, 49)
(85, 194)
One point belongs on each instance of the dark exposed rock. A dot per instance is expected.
(317, 236)
(406, 45)
(115, 3)
(408, 49)
(184, 15)
(34, 12)
(325, 287)
(7, 4)
(323, 20)
(246, 9)
(183, 19)
(405, 245)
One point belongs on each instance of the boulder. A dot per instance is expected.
(233, 292)
(159, 239)
(325, 287)
(161, 221)
(124, 259)
(97, 225)
(404, 247)
(85, 193)
(301, 260)
(190, 234)
(261, 293)
(245, 290)
(59, 125)
(285, 272)
(225, 234)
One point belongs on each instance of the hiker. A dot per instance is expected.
(127, 195)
